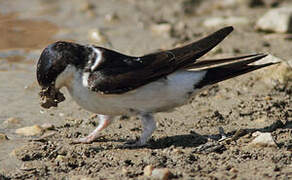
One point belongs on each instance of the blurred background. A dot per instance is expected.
(134, 27)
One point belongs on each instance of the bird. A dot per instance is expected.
(109, 83)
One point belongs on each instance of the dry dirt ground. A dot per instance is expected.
(187, 140)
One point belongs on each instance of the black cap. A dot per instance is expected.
(55, 58)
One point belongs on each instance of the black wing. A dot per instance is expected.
(118, 73)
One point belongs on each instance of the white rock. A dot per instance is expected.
(60, 158)
(30, 130)
(276, 20)
(163, 28)
(281, 72)
(263, 140)
(162, 174)
(148, 170)
(96, 36)
(222, 21)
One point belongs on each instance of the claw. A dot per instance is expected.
(104, 121)
(86, 140)
(134, 144)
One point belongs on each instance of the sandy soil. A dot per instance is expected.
(187, 139)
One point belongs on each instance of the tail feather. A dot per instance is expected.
(225, 62)
(209, 63)
(227, 71)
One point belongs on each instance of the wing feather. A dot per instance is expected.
(118, 73)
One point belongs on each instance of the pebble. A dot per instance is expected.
(276, 20)
(60, 158)
(47, 126)
(86, 6)
(227, 3)
(125, 171)
(111, 17)
(3, 137)
(281, 72)
(263, 140)
(163, 28)
(96, 36)
(80, 177)
(11, 122)
(30, 130)
(162, 174)
(178, 151)
(233, 170)
(148, 170)
(224, 21)
(157, 173)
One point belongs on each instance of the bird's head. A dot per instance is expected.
(56, 57)
(53, 62)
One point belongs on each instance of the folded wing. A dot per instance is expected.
(120, 73)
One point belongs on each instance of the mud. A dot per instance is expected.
(187, 141)
(50, 97)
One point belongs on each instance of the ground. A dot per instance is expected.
(187, 140)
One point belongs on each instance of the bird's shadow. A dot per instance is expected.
(194, 139)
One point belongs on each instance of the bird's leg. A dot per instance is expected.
(148, 125)
(104, 121)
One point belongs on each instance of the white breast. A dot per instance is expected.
(161, 95)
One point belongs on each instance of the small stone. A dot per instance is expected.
(233, 170)
(148, 170)
(111, 17)
(86, 6)
(276, 20)
(178, 151)
(163, 28)
(11, 122)
(96, 36)
(273, 74)
(224, 21)
(3, 137)
(125, 171)
(30, 130)
(47, 126)
(227, 4)
(60, 158)
(263, 140)
(162, 174)
(93, 116)
(268, 98)
(80, 177)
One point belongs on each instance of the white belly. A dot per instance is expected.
(162, 95)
